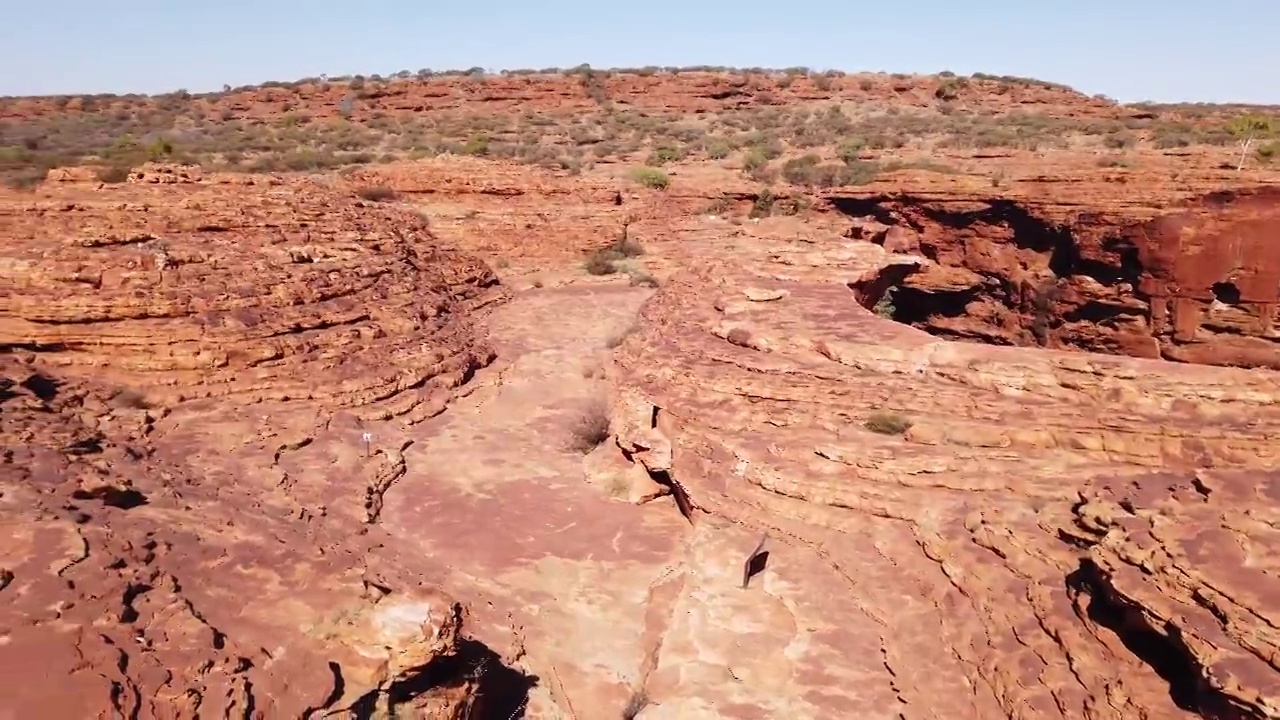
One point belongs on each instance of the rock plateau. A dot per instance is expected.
(997, 442)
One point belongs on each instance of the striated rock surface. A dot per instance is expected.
(138, 584)
(954, 529)
(1193, 283)
(199, 290)
(203, 515)
(189, 488)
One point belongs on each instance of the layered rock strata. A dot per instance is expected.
(295, 291)
(1195, 283)
(981, 531)
(189, 489)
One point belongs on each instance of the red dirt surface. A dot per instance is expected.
(461, 437)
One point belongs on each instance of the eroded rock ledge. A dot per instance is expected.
(188, 514)
(199, 289)
(1198, 284)
(960, 530)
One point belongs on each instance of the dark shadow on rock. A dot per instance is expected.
(755, 565)
(88, 445)
(1163, 649)
(42, 386)
(502, 692)
(6, 389)
(122, 498)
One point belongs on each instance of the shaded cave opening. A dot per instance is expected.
(1226, 293)
(999, 275)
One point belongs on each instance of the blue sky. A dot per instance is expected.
(1129, 49)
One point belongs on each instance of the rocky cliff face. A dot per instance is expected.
(1196, 283)
(224, 496)
(184, 289)
(188, 503)
(981, 531)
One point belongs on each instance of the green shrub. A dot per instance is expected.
(718, 150)
(753, 160)
(849, 148)
(651, 177)
(763, 204)
(808, 170)
(664, 154)
(477, 144)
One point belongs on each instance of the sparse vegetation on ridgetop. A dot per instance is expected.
(315, 123)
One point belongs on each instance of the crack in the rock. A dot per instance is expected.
(290, 447)
(1161, 649)
(84, 554)
(658, 619)
(382, 481)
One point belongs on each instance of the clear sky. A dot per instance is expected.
(1169, 50)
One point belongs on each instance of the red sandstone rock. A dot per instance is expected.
(930, 495)
(954, 529)
(73, 175)
(1192, 284)
(292, 294)
(166, 348)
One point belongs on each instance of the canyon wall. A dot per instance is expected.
(1197, 283)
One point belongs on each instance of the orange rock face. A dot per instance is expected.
(289, 292)
(170, 547)
(958, 529)
(1193, 282)
(276, 447)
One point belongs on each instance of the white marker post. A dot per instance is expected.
(367, 438)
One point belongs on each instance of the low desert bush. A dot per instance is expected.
(113, 174)
(604, 261)
(639, 278)
(601, 262)
(807, 170)
(618, 337)
(376, 193)
(651, 177)
(590, 428)
(887, 423)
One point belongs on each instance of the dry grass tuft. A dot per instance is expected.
(739, 336)
(376, 193)
(887, 423)
(590, 428)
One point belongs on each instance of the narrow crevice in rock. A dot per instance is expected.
(663, 478)
(1161, 649)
